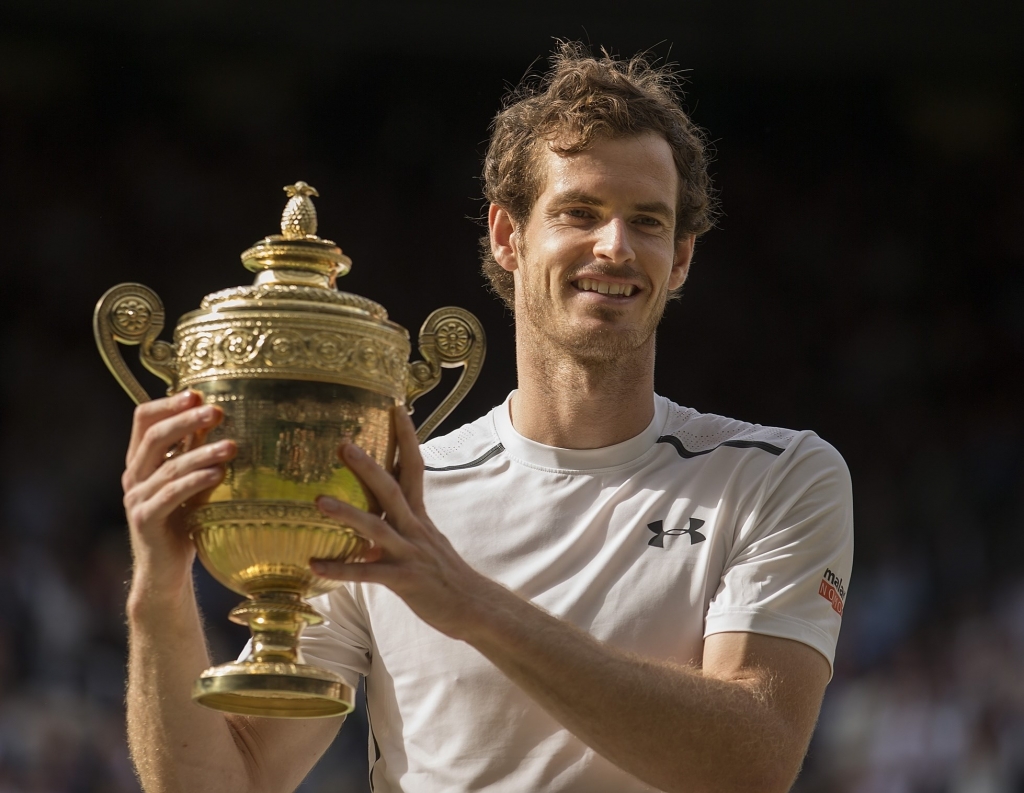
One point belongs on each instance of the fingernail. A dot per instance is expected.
(207, 414)
(328, 503)
(318, 567)
(183, 397)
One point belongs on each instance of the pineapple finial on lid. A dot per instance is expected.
(297, 256)
(298, 220)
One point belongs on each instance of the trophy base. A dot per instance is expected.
(278, 690)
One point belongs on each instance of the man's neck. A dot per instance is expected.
(582, 404)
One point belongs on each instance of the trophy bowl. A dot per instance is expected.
(297, 368)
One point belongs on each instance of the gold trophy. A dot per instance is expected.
(297, 367)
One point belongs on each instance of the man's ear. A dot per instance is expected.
(503, 242)
(681, 265)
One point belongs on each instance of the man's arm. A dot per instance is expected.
(741, 722)
(180, 746)
(177, 745)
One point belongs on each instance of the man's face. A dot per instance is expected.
(598, 256)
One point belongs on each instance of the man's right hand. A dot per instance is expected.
(157, 488)
(175, 745)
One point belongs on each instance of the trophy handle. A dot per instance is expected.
(133, 314)
(450, 337)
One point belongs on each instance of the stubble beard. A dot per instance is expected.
(605, 348)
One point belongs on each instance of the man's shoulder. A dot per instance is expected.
(774, 461)
(694, 434)
(468, 446)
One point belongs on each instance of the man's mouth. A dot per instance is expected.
(604, 287)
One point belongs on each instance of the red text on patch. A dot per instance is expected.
(827, 591)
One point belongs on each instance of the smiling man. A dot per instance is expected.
(590, 588)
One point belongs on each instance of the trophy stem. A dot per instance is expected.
(272, 679)
(276, 620)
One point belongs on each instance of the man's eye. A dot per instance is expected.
(645, 220)
(577, 212)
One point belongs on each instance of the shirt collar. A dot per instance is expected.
(553, 457)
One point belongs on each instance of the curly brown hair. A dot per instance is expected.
(580, 99)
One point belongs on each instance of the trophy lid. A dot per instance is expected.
(295, 265)
(291, 324)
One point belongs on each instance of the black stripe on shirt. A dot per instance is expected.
(687, 454)
(376, 746)
(483, 458)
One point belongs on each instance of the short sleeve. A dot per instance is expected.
(789, 568)
(341, 643)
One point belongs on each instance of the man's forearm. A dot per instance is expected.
(176, 745)
(670, 726)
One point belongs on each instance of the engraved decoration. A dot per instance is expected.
(253, 348)
(232, 538)
(454, 338)
(131, 317)
(265, 292)
(274, 292)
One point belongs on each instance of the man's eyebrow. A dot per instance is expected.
(580, 197)
(575, 197)
(655, 208)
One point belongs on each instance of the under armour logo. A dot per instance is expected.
(658, 540)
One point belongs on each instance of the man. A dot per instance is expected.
(588, 589)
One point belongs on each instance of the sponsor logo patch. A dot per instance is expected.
(831, 588)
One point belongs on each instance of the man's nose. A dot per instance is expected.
(613, 242)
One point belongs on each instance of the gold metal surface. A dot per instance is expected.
(298, 368)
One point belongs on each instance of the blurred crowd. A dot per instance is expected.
(866, 282)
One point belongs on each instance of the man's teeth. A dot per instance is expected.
(605, 288)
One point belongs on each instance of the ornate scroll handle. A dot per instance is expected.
(133, 314)
(450, 337)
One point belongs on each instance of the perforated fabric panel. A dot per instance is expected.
(461, 446)
(680, 415)
(452, 443)
(770, 434)
(701, 432)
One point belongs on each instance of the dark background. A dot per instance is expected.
(865, 281)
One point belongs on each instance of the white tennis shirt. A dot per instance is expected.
(699, 525)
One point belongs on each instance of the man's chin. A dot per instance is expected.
(604, 343)
(600, 334)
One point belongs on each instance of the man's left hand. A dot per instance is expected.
(408, 555)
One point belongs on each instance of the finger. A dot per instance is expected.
(169, 433)
(171, 496)
(149, 413)
(152, 452)
(214, 454)
(367, 526)
(371, 554)
(354, 571)
(382, 484)
(410, 474)
(368, 555)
